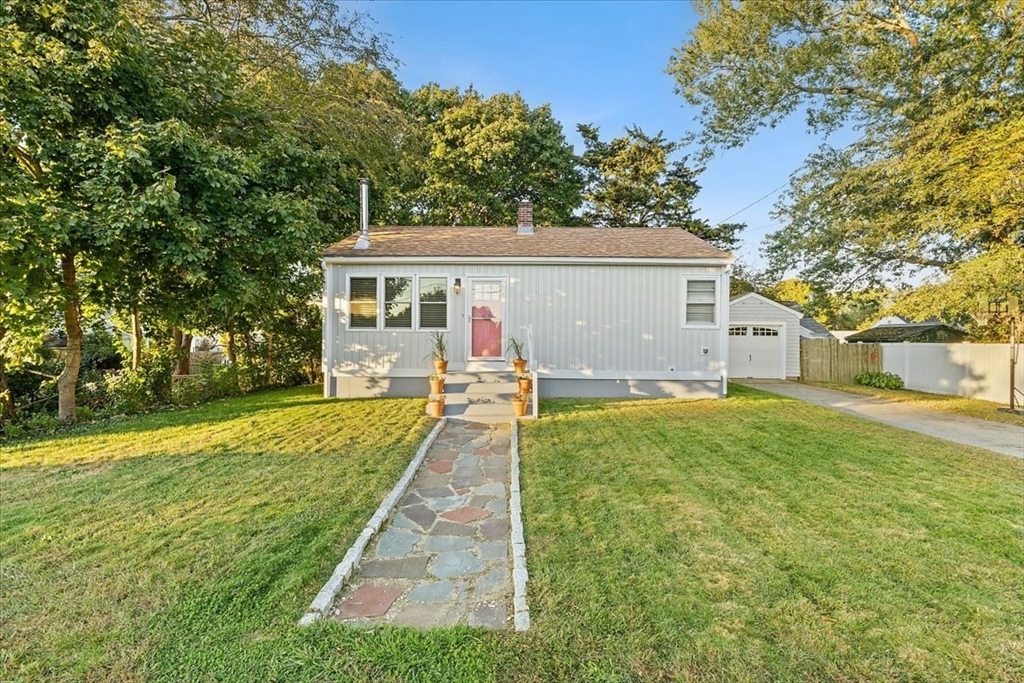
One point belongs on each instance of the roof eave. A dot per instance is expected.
(534, 260)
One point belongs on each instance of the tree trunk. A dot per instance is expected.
(232, 352)
(270, 354)
(6, 401)
(176, 344)
(67, 381)
(185, 355)
(136, 338)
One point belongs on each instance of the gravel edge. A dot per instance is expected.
(519, 573)
(321, 604)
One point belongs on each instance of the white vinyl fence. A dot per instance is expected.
(971, 370)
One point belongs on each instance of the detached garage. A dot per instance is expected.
(764, 338)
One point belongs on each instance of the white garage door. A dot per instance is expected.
(755, 351)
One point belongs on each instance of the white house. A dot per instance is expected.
(764, 338)
(606, 311)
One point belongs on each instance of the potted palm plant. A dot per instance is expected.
(516, 348)
(439, 352)
(436, 383)
(519, 404)
(435, 405)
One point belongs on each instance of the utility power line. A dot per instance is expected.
(754, 203)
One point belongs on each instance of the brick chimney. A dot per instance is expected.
(525, 219)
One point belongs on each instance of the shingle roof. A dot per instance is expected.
(809, 323)
(440, 242)
(896, 333)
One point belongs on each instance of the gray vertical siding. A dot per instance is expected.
(588, 321)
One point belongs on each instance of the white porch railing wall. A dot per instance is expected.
(970, 370)
(531, 366)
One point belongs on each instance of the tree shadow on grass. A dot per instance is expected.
(202, 415)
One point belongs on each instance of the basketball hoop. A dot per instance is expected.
(1007, 310)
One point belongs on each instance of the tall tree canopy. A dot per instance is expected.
(477, 157)
(183, 159)
(936, 90)
(633, 181)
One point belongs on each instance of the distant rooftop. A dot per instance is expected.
(816, 329)
(927, 332)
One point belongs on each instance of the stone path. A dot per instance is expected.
(443, 558)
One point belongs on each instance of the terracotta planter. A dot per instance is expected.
(519, 364)
(435, 408)
(437, 386)
(519, 408)
(525, 384)
(440, 366)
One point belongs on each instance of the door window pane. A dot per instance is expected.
(486, 324)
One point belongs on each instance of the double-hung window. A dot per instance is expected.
(362, 301)
(700, 302)
(433, 292)
(398, 302)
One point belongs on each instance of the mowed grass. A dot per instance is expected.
(755, 538)
(184, 545)
(957, 405)
(760, 538)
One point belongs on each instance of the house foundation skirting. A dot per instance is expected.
(377, 387)
(552, 387)
(549, 387)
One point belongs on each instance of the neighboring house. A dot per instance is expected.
(764, 338)
(809, 327)
(841, 335)
(610, 311)
(920, 332)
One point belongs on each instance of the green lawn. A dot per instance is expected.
(958, 405)
(756, 538)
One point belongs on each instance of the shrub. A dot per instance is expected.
(128, 392)
(41, 422)
(84, 414)
(880, 380)
(13, 431)
(212, 381)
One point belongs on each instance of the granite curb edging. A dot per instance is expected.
(323, 601)
(519, 573)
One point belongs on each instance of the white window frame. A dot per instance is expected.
(380, 289)
(710, 277)
(379, 280)
(447, 303)
(382, 303)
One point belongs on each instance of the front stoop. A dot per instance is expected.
(480, 396)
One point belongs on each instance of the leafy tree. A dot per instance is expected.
(152, 163)
(476, 158)
(791, 289)
(963, 298)
(936, 88)
(633, 181)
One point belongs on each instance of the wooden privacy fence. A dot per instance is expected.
(826, 360)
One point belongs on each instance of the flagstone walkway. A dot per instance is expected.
(443, 558)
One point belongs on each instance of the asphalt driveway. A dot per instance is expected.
(994, 436)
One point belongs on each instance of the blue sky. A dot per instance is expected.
(594, 62)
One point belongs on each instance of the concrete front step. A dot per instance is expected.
(480, 397)
(479, 377)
